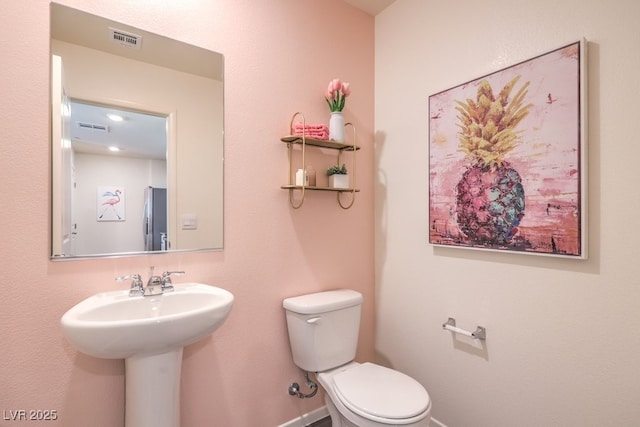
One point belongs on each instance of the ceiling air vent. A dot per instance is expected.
(125, 39)
(93, 126)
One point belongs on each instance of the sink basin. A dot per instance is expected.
(149, 333)
(113, 325)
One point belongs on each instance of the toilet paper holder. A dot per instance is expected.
(479, 334)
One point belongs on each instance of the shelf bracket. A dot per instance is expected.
(353, 199)
(304, 165)
(353, 169)
(291, 202)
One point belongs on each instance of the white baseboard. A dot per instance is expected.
(308, 418)
(322, 412)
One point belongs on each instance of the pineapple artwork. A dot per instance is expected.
(490, 197)
(506, 159)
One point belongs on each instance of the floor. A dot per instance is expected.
(325, 422)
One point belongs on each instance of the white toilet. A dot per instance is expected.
(323, 333)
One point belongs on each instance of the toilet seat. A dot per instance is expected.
(381, 394)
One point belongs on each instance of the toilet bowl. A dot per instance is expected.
(323, 333)
(369, 395)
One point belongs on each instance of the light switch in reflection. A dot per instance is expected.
(189, 222)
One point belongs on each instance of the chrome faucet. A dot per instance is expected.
(156, 285)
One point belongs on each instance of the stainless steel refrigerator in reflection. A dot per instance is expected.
(154, 223)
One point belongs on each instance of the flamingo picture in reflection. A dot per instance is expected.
(110, 201)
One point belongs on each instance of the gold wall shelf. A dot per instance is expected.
(302, 141)
(297, 139)
(314, 188)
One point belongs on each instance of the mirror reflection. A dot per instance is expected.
(137, 140)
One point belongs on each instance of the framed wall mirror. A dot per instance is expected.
(137, 140)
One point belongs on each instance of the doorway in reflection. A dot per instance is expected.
(119, 160)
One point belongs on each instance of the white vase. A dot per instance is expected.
(336, 126)
(339, 181)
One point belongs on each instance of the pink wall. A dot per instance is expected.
(280, 54)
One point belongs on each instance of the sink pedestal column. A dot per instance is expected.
(152, 390)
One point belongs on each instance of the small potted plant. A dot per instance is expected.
(338, 177)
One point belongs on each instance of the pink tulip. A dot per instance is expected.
(336, 85)
(330, 90)
(336, 93)
(346, 89)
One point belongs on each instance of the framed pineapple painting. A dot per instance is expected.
(507, 168)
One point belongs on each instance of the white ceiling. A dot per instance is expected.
(137, 135)
(81, 28)
(372, 7)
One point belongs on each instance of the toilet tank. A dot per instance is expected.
(323, 328)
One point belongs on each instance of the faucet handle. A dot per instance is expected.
(167, 285)
(137, 287)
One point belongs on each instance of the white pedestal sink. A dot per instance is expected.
(149, 332)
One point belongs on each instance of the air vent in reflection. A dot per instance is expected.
(93, 126)
(125, 39)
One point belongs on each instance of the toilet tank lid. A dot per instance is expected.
(322, 302)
